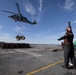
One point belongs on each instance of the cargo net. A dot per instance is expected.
(19, 37)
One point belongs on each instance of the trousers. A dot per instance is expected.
(69, 55)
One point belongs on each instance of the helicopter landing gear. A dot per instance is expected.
(18, 38)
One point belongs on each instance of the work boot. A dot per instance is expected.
(66, 67)
(71, 67)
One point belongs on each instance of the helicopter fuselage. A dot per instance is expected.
(21, 18)
(18, 18)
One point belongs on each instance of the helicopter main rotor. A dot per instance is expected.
(18, 8)
(19, 13)
(9, 12)
(18, 16)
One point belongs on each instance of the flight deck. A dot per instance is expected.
(37, 60)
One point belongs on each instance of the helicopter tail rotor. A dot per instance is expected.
(35, 22)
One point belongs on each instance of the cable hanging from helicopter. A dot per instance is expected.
(20, 36)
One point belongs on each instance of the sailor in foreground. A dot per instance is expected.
(68, 48)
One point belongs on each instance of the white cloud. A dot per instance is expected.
(35, 13)
(53, 38)
(28, 7)
(0, 26)
(39, 34)
(57, 35)
(20, 29)
(50, 36)
(69, 5)
(48, 31)
(74, 22)
(6, 36)
(17, 28)
(40, 7)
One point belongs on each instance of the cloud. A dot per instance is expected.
(20, 29)
(48, 31)
(6, 36)
(39, 34)
(69, 5)
(74, 21)
(35, 13)
(50, 36)
(0, 26)
(28, 7)
(17, 28)
(55, 36)
(40, 3)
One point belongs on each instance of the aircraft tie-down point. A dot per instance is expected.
(18, 16)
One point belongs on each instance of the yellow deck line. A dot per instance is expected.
(45, 67)
(33, 72)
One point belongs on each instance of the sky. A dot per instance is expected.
(52, 19)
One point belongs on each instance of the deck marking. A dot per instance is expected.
(33, 72)
(34, 54)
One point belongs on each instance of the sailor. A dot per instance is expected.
(68, 48)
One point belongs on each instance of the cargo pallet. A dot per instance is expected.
(15, 45)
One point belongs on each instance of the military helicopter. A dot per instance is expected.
(19, 17)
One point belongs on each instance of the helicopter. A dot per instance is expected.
(18, 16)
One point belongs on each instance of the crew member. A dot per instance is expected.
(68, 47)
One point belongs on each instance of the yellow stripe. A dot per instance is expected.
(45, 67)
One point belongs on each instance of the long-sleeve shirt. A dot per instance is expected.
(68, 38)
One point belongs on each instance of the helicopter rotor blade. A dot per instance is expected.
(9, 12)
(18, 8)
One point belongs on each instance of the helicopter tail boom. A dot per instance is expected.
(34, 22)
